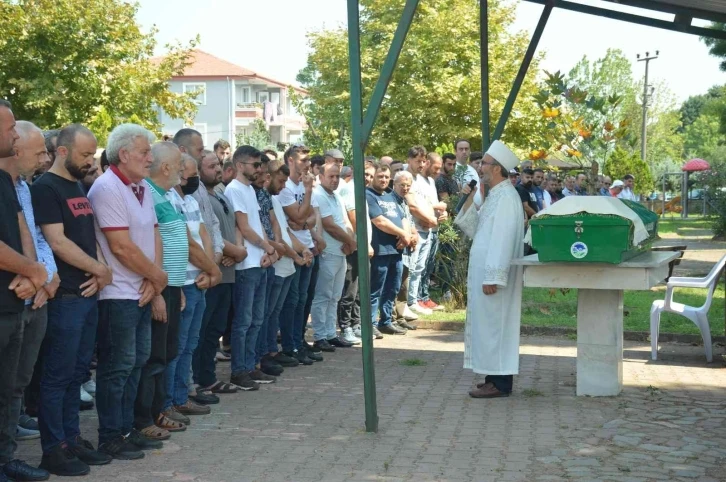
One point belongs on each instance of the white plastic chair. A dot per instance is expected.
(698, 315)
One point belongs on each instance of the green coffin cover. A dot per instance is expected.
(591, 238)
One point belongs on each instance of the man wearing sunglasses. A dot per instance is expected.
(607, 182)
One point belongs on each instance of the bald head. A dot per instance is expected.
(166, 164)
(30, 149)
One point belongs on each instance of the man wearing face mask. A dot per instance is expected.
(201, 273)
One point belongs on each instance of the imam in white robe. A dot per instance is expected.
(492, 321)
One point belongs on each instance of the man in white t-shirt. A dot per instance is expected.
(296, 200)
(340, 242)
(250, 274)
(428, 178)
(627, 192)
(463, 173)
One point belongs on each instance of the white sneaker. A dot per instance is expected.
(409, 315)
(90, 386)
(85, 396)
(421, 310)
(350, 337)
(356, 331)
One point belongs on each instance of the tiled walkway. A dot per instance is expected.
(669, 423)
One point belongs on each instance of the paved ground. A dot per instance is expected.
(700, 256)
(669, 423)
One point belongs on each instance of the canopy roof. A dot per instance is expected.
(696, 165)
(683, 11)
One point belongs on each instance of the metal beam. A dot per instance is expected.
(637, 19)
(484, 53)
(674, 9)
(374, 105)
(356, 112)
(519, 80)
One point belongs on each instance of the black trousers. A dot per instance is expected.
(349, 304)
(502, 382)
(311, 293)
(151, 394)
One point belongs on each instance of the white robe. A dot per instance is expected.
(492, 321)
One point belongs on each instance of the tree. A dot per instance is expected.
(717, 46)
(86, 61)
(258, 138)
(702, 137)
(623, 162)
(434, 94)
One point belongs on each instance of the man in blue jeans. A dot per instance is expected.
(67, 220)
(128, 234)
(391, 233)
(251, 274)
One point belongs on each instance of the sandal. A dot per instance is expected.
(165, 423)
(220, 387)
(153, 432)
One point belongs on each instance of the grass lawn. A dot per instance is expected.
(542, 307)
(670, 225)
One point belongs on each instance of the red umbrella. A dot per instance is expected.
(696, 165)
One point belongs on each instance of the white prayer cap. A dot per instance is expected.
(503, 155)
(618, 183)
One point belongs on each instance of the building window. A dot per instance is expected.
(200, 88)
(263, 97)
(202, 129)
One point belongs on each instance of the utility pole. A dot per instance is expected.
(646, 94)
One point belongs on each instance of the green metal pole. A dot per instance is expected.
(484, 48)
(374, 105)
(519, 80)
(364, 286)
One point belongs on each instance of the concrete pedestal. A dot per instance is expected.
(599, 310)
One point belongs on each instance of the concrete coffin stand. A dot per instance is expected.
(599, 310)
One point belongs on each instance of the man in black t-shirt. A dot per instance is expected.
(65, 216)
(20, 277)
(526, 193)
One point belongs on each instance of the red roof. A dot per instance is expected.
(202, 64)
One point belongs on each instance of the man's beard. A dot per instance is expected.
(527, 184)
(75, 171)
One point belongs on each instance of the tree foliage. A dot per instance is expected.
(86, 61)
(258, 138)
(623, 162)
(434, 95)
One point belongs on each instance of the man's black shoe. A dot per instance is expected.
(301, 357)
(83, 449)
(283, 360)
(122, 449)
(61, 461)
(20, 471)
(205, 398)
(405, 324)
(86, 405)
(339, 343)
(307, 346)
(269, 367)
(143, 442)
(323, 345)
(312, 355)
(391, 330)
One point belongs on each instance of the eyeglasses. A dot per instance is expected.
(607, 183)
(256, 164)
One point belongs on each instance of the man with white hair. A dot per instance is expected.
(128, 233)
(495, 285)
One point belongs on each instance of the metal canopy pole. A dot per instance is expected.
(519, 80)
(361, 131)
(484, 52)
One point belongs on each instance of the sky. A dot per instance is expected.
(268, 37)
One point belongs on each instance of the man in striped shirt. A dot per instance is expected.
(166, 308)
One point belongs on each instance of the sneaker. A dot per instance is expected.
(260, 377)
(323, 345)
(192, 408)
(350, 337)
(316, 357)
(143, 442)
(339, 343)
(420, 309)
(19, 470)
(177, 416)
(391, 330)
(270, 367)
(432, 306)
(205, 398)
(121, 448)
(83, 449)
(409, 315)
(85, 396)
(356, 331)
(26, 434)
(405, 324)
(285, 360)
(61, 461)
(243, 381)
(90, 386)
(222, 356)
(377, 334)
(397, 325)
(26, 421)
(301, 357)
(311, 348)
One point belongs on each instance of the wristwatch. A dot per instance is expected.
(305, 225)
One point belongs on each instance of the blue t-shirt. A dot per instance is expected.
(539, 194)
(384, 205)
